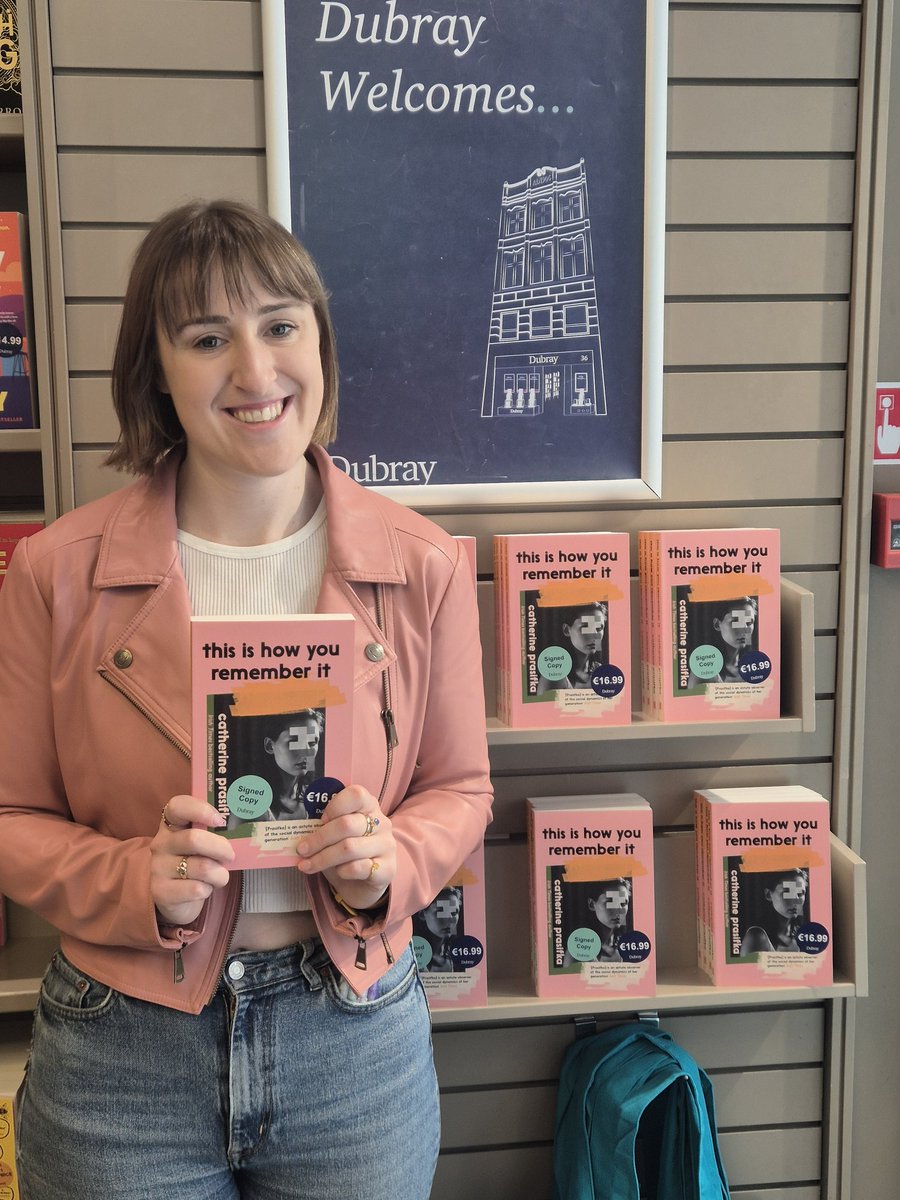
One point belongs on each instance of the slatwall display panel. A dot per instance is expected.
(499, 1087)
(760, 186)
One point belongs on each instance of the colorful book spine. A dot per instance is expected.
(10, 61)
(450, 939)
(11, 533)
(9, 1179)
(563, 629)
(272, 726)
(764, 886)
(710, 624)
(18, 409)
(593, 917)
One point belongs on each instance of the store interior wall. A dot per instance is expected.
(876, 1146)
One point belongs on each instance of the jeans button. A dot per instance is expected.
(236, 969)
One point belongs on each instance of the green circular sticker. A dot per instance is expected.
(249, 797)
(706, 662)
(583, 944)
(554, 663)
(423, 952)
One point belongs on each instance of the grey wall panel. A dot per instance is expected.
(785, 469)
(742, 44)
(131, 189)
(216, 35)
(728, 402)
(767, 1156)
(761, 119)
(755, 191)
(765, 263)
(130, 111)
(790, 332)
(526, 1171)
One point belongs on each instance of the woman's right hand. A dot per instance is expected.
(184, 837)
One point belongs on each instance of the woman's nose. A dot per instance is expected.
(253, 368)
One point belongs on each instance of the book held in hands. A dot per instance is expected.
(563, 617)
(763, 886)
(710, 616)
(593, 917)
(272, 725)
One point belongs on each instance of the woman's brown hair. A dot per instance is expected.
(170, 278)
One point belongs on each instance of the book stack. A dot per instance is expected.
(710, 621)
(593, 918)
(763, 886)
(449, 939)
(272, 726)
(11, 533)
(563, 617)
(17, 402)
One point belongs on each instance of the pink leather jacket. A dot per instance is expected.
(94, 741)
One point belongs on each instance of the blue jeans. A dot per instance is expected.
(286, 1087)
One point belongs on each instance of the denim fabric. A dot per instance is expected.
(286, 1087)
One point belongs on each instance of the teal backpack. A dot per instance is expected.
(627, 1081)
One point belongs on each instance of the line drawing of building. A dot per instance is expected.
(544, 349)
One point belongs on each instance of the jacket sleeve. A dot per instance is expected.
(90, 885)
(445, 811)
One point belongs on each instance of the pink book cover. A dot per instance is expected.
(272, 725)
(593, 918)
(17, 409)
(450, 939)
(764, 909)
(712, 635)
(11, 533)
(565, 628)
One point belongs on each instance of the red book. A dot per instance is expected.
(272, 726)
(17, 407)
(11, 533)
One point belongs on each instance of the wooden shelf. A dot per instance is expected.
(23, 961)
(798, 700)
(683, 986)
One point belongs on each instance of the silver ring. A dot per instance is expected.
(182, 869)
(375, 865)
(372, 824)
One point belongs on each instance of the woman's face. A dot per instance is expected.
(736, 626)
(611, 906)
(788, 897)
(246, 382)
(586, 631)
(442, 915)
(294, 750)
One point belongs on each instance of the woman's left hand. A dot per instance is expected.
(354, 848)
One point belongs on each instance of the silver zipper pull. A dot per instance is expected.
(390, 728)
(360, 963)
(179, 966)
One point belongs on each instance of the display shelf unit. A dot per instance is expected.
(798, 699)
(13, 441)
(680, 984)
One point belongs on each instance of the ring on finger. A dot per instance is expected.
(372, 824)
(375, 865)
(170, 824)
(182, 869)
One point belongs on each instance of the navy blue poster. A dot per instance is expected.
(470, 178)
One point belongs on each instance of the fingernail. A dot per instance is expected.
(218, 818)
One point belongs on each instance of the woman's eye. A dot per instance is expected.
(209, 341)
(281, 329)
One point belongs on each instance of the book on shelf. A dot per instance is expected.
(11, 533)
(10, 61)
(18, 408)
(593, 916)
(763, 886)
(710, 624)
(450, 941)
(9, 1179)
(563, 625)
(272, 725)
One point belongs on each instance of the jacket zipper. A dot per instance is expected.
(178, 966)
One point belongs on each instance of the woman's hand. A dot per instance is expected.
(187, 863)
(353, 847)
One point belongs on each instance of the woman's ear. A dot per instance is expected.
(268, 745)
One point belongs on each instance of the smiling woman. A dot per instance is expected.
(178, 983)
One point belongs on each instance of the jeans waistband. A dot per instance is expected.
(248, 970)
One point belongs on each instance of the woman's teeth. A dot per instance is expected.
(253, 416)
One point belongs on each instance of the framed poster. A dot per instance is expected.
(482, 186)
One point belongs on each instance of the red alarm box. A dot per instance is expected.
(886, 529)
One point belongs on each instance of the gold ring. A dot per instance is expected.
(375, 865)
(372, 824)
(168, 824)
(182, 869)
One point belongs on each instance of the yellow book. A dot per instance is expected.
(9, 1180)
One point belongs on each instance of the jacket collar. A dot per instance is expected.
(139, 543)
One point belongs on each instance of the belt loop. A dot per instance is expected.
(314, 957)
